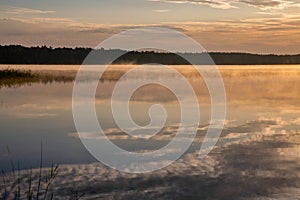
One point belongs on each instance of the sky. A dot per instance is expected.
(254, 26)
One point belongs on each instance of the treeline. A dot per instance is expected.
(16, 54)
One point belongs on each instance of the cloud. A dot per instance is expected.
(59, 32)
(223, 4)
(212, 3)
(161, 11)
(247, 35)
(250, 35)
(23, 11)
(269, 4)
(268, 157)
(232, 133)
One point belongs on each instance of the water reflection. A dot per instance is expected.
(258, 154)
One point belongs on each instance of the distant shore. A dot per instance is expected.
(17, 54)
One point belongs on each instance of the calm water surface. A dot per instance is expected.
(261, 131)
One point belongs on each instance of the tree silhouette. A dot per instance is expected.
(17, 54)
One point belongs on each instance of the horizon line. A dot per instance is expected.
(209, 52)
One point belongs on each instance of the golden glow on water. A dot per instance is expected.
(259, 143)
(268, 85)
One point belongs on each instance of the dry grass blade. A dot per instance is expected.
(4, 185)
(19, 180)
(30, 193)
(40, 173)
(53, 173)
(11, 163)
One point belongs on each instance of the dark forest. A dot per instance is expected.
(17, 54)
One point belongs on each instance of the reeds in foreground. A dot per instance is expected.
(12, 183)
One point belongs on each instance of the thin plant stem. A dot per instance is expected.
(29, 196)
(40, 173)
(11, 163)
(19, 177)
(4, 185)
(53, 173)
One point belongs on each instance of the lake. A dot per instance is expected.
(257, 156)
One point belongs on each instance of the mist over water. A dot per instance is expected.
(257, 156)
